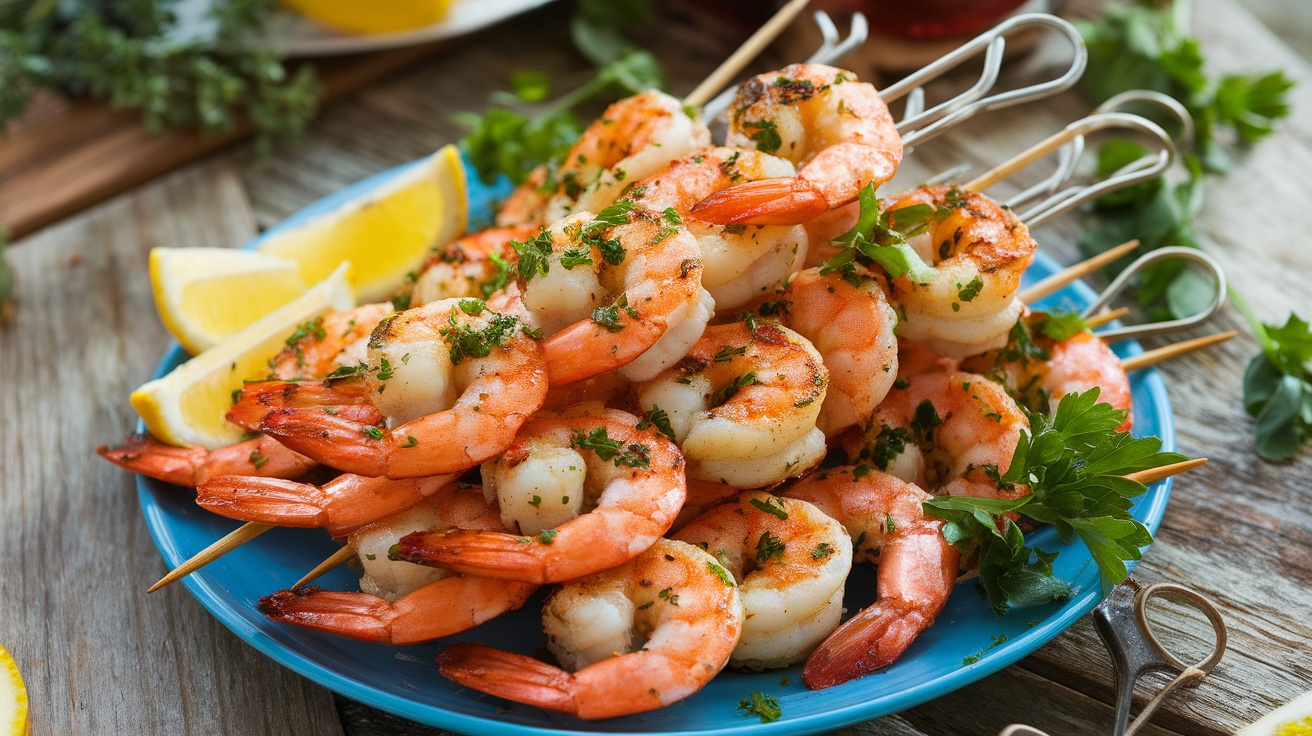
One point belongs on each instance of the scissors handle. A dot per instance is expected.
(1122, 623)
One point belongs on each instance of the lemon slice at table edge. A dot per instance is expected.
(13, 698)
(385, 233)
(187, 406)
(353, 16)
(205, 295)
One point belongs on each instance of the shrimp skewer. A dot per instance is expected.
(593, 491)
(621, 289)
(637, 637)
(853, 328)
(836, 127)
(791, 563)
(743, 404)
(917, 569)
(404, 603)
(454, 380)
(739, 262)
(633, 139)
(476, 265)
(949, 433)
(192, 466)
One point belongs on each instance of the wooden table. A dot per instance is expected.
(75, 558)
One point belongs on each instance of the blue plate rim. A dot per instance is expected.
(201, 587)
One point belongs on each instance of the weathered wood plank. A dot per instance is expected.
(97, 654)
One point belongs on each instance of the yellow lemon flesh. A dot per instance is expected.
(187, 406)
(13, 698)
(385, 233)
(389, 16)
(205, 295)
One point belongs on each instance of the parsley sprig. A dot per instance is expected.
(875, 240)
(1278, 385)
(1074, 462)
(1144, 45)
(504, 141)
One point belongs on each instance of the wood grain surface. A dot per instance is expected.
(75, 557)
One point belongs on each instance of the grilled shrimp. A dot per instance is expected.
(743, 403)
(341, 505)
(917, 568)
(978, 251)
(835, 127)
(585, 492)
(739, 262)
(473, 266)
(1038, 370)
(633, 139)
(326, 343)
(404, 603)
(191, 466)
(791, 562)
(632, 638)
(618, 290)
(946, 432)
(453, 379)
(853, 328)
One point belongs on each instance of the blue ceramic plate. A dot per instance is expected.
(967, 643)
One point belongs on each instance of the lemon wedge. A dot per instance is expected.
(205, 295)
(354, 16)
(186, 407)
(13, 698)
(385, 233)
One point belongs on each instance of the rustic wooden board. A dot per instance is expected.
(75, 557)
(62, 157)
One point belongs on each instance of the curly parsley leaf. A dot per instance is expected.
(762, 705)
(1074, 462)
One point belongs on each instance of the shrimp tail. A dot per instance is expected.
(342, 442)
(780, 201)
(917, 570)
(266, 500)
(444, 608)
(354, 615)
(507, 675)
(873, 638)
(348, 400)
(487, 553)
(190, 466)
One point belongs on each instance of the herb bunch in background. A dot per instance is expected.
(134, 55)
(506, 141)
(1145, 46)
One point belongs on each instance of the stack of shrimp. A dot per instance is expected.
(625, 390)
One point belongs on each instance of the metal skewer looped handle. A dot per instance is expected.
(919, 124)
(1070, 154)
(1062, 201)
(1122, 281)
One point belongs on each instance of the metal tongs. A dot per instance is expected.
(1124, 627)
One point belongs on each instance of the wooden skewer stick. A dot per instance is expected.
(1065, 276)
(238, 537)
(1034, 153)
(1152, 475)
(751, 48)
(338, 557)
(1102, 318)
(1166, 352)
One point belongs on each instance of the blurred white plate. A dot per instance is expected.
(296, 35)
